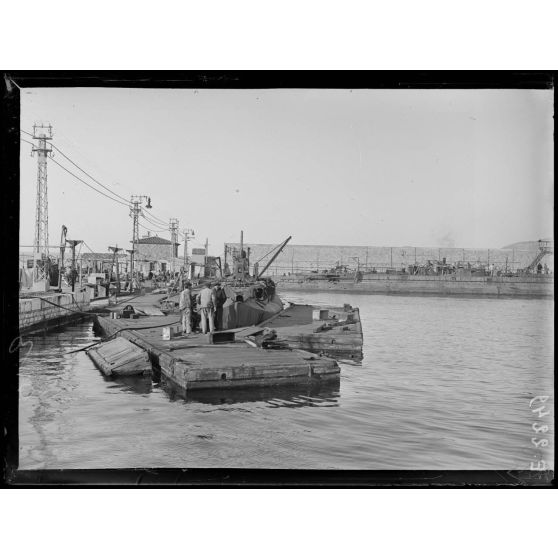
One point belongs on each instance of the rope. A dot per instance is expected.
(116, 333)
(80, 311)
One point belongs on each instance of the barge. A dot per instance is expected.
(531, 286)
(201, 361)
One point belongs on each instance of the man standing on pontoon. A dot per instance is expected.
(206, 308)
(185, 306)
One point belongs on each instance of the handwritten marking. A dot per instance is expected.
(17, 345)
(537, 427)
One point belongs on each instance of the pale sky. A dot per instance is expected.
(459, 168)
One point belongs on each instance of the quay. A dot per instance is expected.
(43, 311)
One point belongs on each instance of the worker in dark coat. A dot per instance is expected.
(220, 299)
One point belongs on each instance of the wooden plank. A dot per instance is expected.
(120, 357)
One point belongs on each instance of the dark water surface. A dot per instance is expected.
(446, 383)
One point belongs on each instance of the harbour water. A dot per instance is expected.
(446, 383)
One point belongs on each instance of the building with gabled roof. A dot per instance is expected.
(156, 254)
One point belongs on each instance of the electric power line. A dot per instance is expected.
(87, 174)
(148, 229)
(29, 142)
(89, 185)
(155, 224)
(162, 223)
(155, 221)
(155, 231)
(82, 170)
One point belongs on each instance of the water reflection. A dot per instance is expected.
(135, 384)
(317, 394)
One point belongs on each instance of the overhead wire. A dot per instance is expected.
(87, 174)
(152, 219)
(165, 223)
(158, 221)
(148, 229)
(154, 223)
(81, 169)
(89, 185)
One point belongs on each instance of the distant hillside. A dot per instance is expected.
(531, 245)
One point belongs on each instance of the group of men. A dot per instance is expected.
(209, 305)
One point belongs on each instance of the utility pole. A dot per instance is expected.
(115, 250)
(135, 212)
(131, 252)
(188, 234)
(42, 133)
(173, 228)
(62, 250)
(73, 244)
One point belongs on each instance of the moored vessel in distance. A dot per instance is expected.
(434, 277)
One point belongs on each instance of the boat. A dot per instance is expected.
(432, 278)
(251, 299)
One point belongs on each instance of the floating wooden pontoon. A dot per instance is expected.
(195, 363)
(329, 331)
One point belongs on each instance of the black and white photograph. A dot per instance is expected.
(249, 274)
